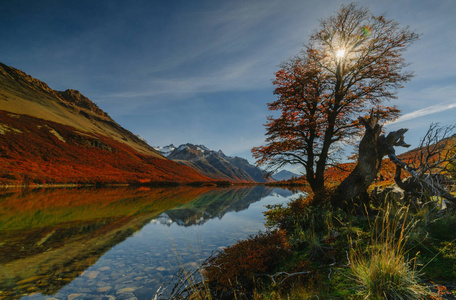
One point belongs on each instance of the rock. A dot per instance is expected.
(391, 193)
(104, 289)
(93, 274)
(126, 290)
(127, 296)
(75, 296)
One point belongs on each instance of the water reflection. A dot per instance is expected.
(213, 204)
(83, 244)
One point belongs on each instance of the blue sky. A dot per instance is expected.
(201, 71)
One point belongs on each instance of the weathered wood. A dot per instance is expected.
(372, 148)
(419, 183)
(352, 192)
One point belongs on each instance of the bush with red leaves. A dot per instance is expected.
(236, 268)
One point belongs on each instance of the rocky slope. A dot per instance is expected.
(214, 164)
(48, 136)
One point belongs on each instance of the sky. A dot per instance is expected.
(201, 71)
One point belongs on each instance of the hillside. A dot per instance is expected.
(48, 136)
(213, 164)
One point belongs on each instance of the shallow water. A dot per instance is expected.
(119, 243)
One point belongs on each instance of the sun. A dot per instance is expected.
(340, 53)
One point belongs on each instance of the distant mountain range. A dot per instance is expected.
(49, 136)
(284, 175)
(213, 164)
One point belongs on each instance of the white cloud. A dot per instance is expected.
(425, 111)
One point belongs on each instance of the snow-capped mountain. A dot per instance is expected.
(284, 175)
(214, 164)
(165, 151)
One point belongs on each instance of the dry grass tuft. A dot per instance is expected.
(385, 272)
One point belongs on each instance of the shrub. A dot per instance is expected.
(235, 269)
(303, 212)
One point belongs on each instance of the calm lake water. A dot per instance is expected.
(118, 243)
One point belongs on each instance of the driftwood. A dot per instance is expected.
(372, 148)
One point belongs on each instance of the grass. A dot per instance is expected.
(385, 272)
(393, 253)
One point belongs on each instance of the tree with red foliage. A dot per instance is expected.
(352, 64)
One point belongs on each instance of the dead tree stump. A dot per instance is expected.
(352, 192)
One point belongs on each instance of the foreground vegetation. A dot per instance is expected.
(395, 250)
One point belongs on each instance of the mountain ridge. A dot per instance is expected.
(23, 94)
(214, 164)
(55, 137)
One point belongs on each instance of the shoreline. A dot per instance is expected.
(149, 184)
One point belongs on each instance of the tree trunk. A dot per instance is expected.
(352, 192)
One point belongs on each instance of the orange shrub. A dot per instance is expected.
(236, 267)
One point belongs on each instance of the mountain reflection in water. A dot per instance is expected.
(57, 242)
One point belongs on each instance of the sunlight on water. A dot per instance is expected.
(119, 243)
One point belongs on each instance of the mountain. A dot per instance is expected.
(254, 172)
(213, 164)
(284, 175)
(49, 136)
(165, 151)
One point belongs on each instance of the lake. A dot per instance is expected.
(119, 243)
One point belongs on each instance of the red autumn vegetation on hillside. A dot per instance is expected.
(36, 151)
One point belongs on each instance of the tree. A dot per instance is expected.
(352, 63)
(352, 191)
